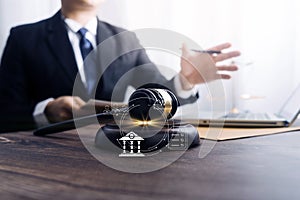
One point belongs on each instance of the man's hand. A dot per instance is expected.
(197, 68)
(62, 108)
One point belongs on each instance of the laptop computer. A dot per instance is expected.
(284, 118)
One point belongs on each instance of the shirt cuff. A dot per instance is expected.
(38, 114)
(184, 94)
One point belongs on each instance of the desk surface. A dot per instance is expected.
(60, 167)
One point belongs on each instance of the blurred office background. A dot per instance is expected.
(266, 32)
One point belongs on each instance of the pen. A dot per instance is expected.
(206, 51)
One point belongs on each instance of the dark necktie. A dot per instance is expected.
(85, 45)
(89, 66)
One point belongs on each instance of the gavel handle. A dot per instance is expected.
(73, 124)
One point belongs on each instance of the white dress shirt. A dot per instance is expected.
(73, 27)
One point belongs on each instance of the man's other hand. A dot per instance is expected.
(62, 108)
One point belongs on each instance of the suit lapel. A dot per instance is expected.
(61, 47)
(102, 32)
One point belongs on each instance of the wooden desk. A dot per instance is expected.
(59, 167)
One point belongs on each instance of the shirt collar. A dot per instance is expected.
(74, 26)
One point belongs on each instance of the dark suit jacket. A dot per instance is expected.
(38, 63)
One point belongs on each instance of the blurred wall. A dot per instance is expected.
(267, 33)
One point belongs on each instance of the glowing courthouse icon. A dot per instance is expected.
(133, 139)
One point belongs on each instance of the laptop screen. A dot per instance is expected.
(291, 108)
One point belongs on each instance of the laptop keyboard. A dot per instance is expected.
(252, 116)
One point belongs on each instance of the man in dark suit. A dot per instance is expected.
(41, 60)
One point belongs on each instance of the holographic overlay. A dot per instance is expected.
(109, 56)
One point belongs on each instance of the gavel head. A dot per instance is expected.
(148, 103)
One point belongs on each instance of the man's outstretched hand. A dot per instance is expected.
(198, 68)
